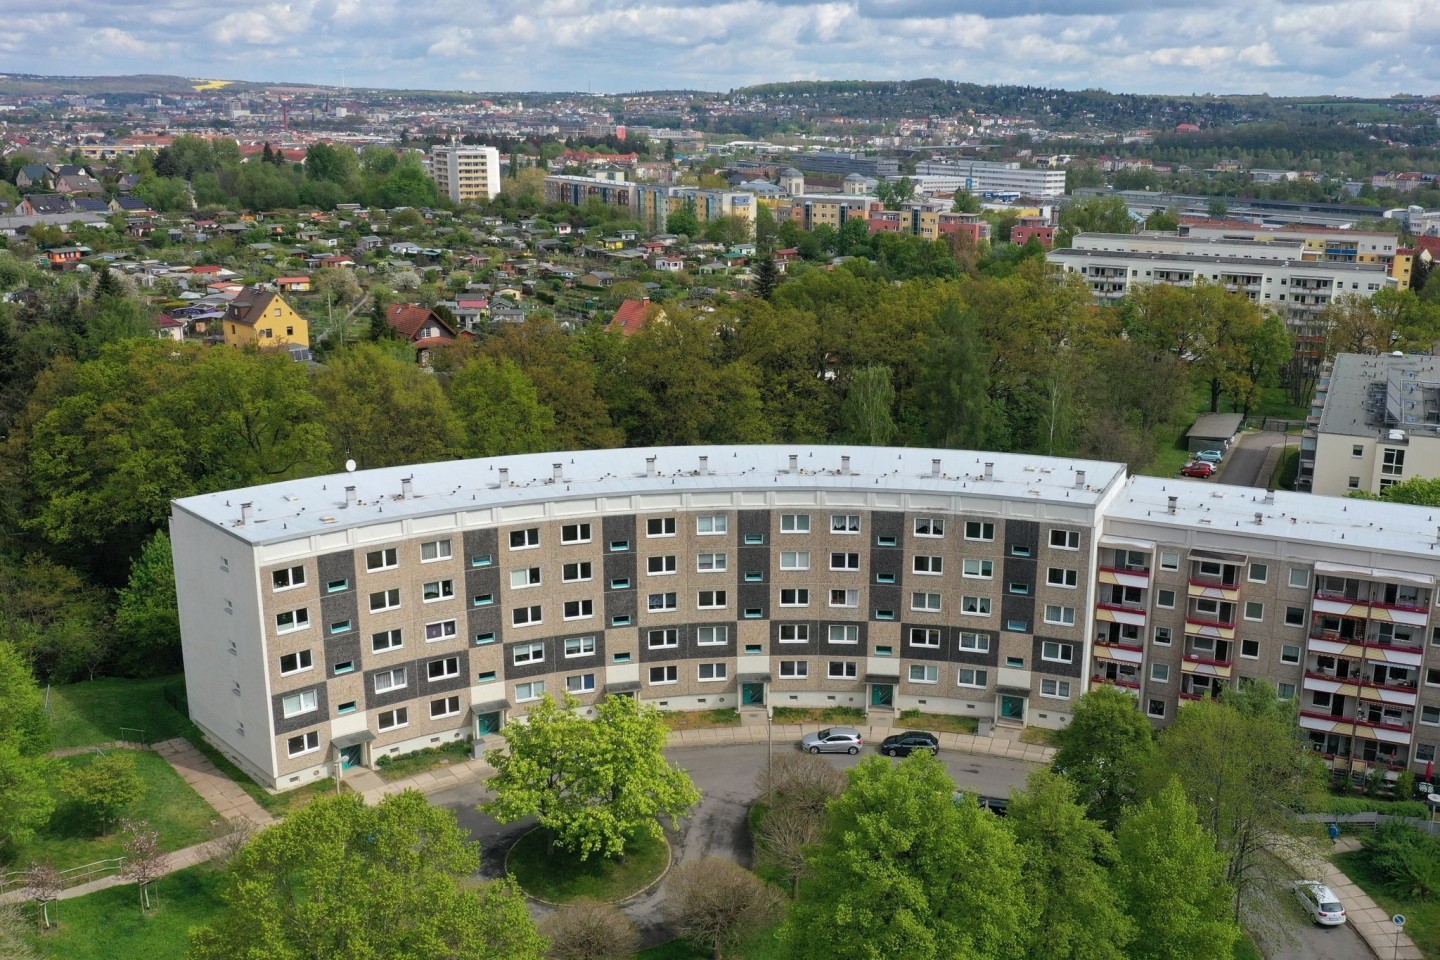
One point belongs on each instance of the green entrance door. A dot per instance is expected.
(486, 723)
(752, 694)
(882, 694)
(351, 756)
(1012, 708)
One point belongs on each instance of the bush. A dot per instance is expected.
(1405, 858)
(1394, 808)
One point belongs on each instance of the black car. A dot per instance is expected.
(904, 744)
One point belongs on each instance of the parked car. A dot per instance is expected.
(904, 744)
(833, 740)
(1320, 902)
(1211, 456)
(1197, 468)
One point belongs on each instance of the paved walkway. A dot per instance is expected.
(1366, 918)
(214, 787)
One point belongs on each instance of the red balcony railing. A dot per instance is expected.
(1358, 721)
(1211, 622)
(1117, 682)
(1212, 582)
(1191, 658)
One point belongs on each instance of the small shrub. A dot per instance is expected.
(1405, 858)
(1394, 808)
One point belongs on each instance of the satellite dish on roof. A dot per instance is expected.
(350, 466)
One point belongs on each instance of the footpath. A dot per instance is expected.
(1366, 918)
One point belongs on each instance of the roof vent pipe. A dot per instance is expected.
(1079, 479)
(1173, 501)
(845, 466)
(649, 466)
(559, 472)
(935, 468)
(247, 510)
(504, 476)
(406, 488)
(794, 462)
(704, 466)
(350, 497)
(989, 470)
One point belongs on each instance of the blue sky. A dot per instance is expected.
(1281, 47)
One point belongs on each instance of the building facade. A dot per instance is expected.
(578, 191)
(330, 621)
(263, 319)
(465, 174)
(990, 177)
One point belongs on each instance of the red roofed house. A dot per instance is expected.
(630, 319)
(293, 284)
(422, 327)
(168, 328)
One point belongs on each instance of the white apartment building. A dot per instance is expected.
(465, 174)
(982, 177)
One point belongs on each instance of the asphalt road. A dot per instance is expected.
(1247, 456)
(1289, 935)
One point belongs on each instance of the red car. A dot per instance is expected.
(1197, 468)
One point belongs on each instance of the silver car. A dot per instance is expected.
(833, 740)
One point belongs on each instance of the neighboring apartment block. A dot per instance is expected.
(579, 191)
(989, 177)
(330, 621)
(465, 174)
(655, 202)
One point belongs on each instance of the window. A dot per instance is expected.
(340, 626)
(385, 640)
(844, 561)
(842, 670)
(712, 636)
(1162, 636)
(576, 572)
(1254, 610)
(884, 577)
(1160, 672)
(435, 550)
(486, 676)
(1169, 560)
(754, 576)
(844, 523)
(844, 633)
(304, 743)
(924, 637)
(483, 599)
(979, 530)
(525, 539)
(1285, 691)
(527, 653)
(1156, 709)
(442, 669)
(1356, 450)
(923, 673)
(292, 620)
(580, 683)
(336, 586)
(794, 633)
(482, 560)
(1017, 625)
(444, 707)
(288, 578)
(344, 667)
(660, 565)
(795, 597)
(1299, 578)
(382, 559)
(525, 577)
(1057, 652)
(1018, 587)
(1061, 577)
(927, 602)
(1250, 649)
(533, 690)
(669, 673)
(1352, 483)
(1065, 539)
(795, 560)
(295, 662)
(660, 527)
(619, 546)
(1392, 464)
(1055, 613)
(578, 609)
(1019, 550)
(794, 523)
(1059, 689)
(934, 566)
(1424, 752)
(710, 563)
(710, 599)
(1259, 572)
(441, 630)
(713, 523)
(387, 680)
(1430, 716)
(884, 541)
(975, 606)
(966, 677)
(929, 527)
(394, 719)
(439, 590)
(794, 669)
(844, 598)
(521, 616)
(385, 600)
(663, 639)
(660, 602)
(1289, 653)
(1165, 598)
(620, 583)
(974, 642)
(575, 533)
(712, 671)
(579, 646)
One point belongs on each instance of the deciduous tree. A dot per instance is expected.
(586, 930)
(718, 904)
(104, 787)
(145, 862)
(147, 616)
(499, 409)
(867, 416)
(381, 410)
(1105, 750)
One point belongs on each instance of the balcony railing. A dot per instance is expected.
(1192, 658)
(1117, 682)
(1213, 582)
(1138, 571)
(1335, 597)
(1211, 622)
(1133, 646)
(1122, 607)
(1359, 721)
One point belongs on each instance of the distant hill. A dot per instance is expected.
(27, 84)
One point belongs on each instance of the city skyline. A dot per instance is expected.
(1279, 47)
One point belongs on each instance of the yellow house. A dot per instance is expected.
(1401, 268)
(263, 319)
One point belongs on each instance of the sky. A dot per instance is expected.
(1280, 47)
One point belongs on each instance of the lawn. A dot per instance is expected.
(1041, 735)
(169, 803)
(765, 946)
(82, 714)
(937, 723)
(560, 877)
(841, 715)
(409, 764)
(108, 925)
(1422, 918)
(278, 804)
(700, 719)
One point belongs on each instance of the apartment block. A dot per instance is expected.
(465, 174)
(809, 211)
(328, 622)
(992, 178)
(578, 191)
(921, 221)
(655, 203)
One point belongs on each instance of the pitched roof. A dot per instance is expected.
(409, 319)
(249, 305)
(630, 318)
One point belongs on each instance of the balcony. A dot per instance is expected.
(1125, 577)
(1116, 682)
(1118, 652)
(1209, 627)
(1355, 727)
(1205, 588)
(1131, 614)
(1206, 667)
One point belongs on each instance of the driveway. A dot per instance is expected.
(717, 827)
(1246, 459)
(1293, 937)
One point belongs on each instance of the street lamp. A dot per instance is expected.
(769, 754)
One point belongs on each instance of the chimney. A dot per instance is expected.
(989, 470)
(794, 463)
(845, 466)
(504, 477)
(935, 468)
(246, 511)
(649, 466)
(559, 472)
(1173, 501)
(350, 497)
(704, 466)
(1259, 518)
(1079, 479)
(406, 489)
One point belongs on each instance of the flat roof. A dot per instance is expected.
(1319, 266)
(296, 508)
(1363, 387)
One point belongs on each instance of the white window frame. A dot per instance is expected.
(799, 633)
(662, 565)
(526, 538)
(799, 596)
(579, 646)
(662, 602)
(711, 563)
(1069, 579)
(585, 684)
(394, 640)
(449, 707)
(1068, 539)
(1245, 611)
(794, 559)
(575, 533)
(524, 653)
(979, 677)
(712, 524)
(669, 673)
(390, 599)
(389, 559)
(584, 571)
(794, 669)
(794, 523)
(848, 561)
(584, 609)
(932, 527)
(849, 670)
(927, 638)
(1059, 654)
(1060, 614)
(450, 666)
(291, 582)
(529, 690)
(657, 527)
(527, 616)
(525, 577)
(976, 568)
(1304, 578)
(927, 565)
(712, 636)
(1264, 573)
(439, 549)
(843, 597)
(973, 642)
(846, 523)
(983, 530)
(396, 678)
(928, 673)
(925, 602)
(669, 638)
(443, 589)
(304, 701)
(399, 718)
(982, 606)
(1054, 689)
(299, 620)
(304, 660)
(309, 743)
(846, 633)
(1159, 673)
(719, 672)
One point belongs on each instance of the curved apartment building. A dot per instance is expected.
(333, 620)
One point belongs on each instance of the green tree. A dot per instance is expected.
(104, 787)
(381, 410)
(903, 869)
(952, 385)
(26, 775)
(392, 881)
(1171, 881)
(23, 720)
(717, 903)
(147, 616)
(1068, 858)
(965, 202)
(595, 785)
(1162, 220)
(767, 277)
(1105, 750)
(1419, 491)
(1095, 215)
(499, 409)
(867, 415)
(683, 223)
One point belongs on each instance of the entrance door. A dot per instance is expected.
(882, 695)
(752, 694)
(1012, 708)
(352, 756)
(486, 723)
